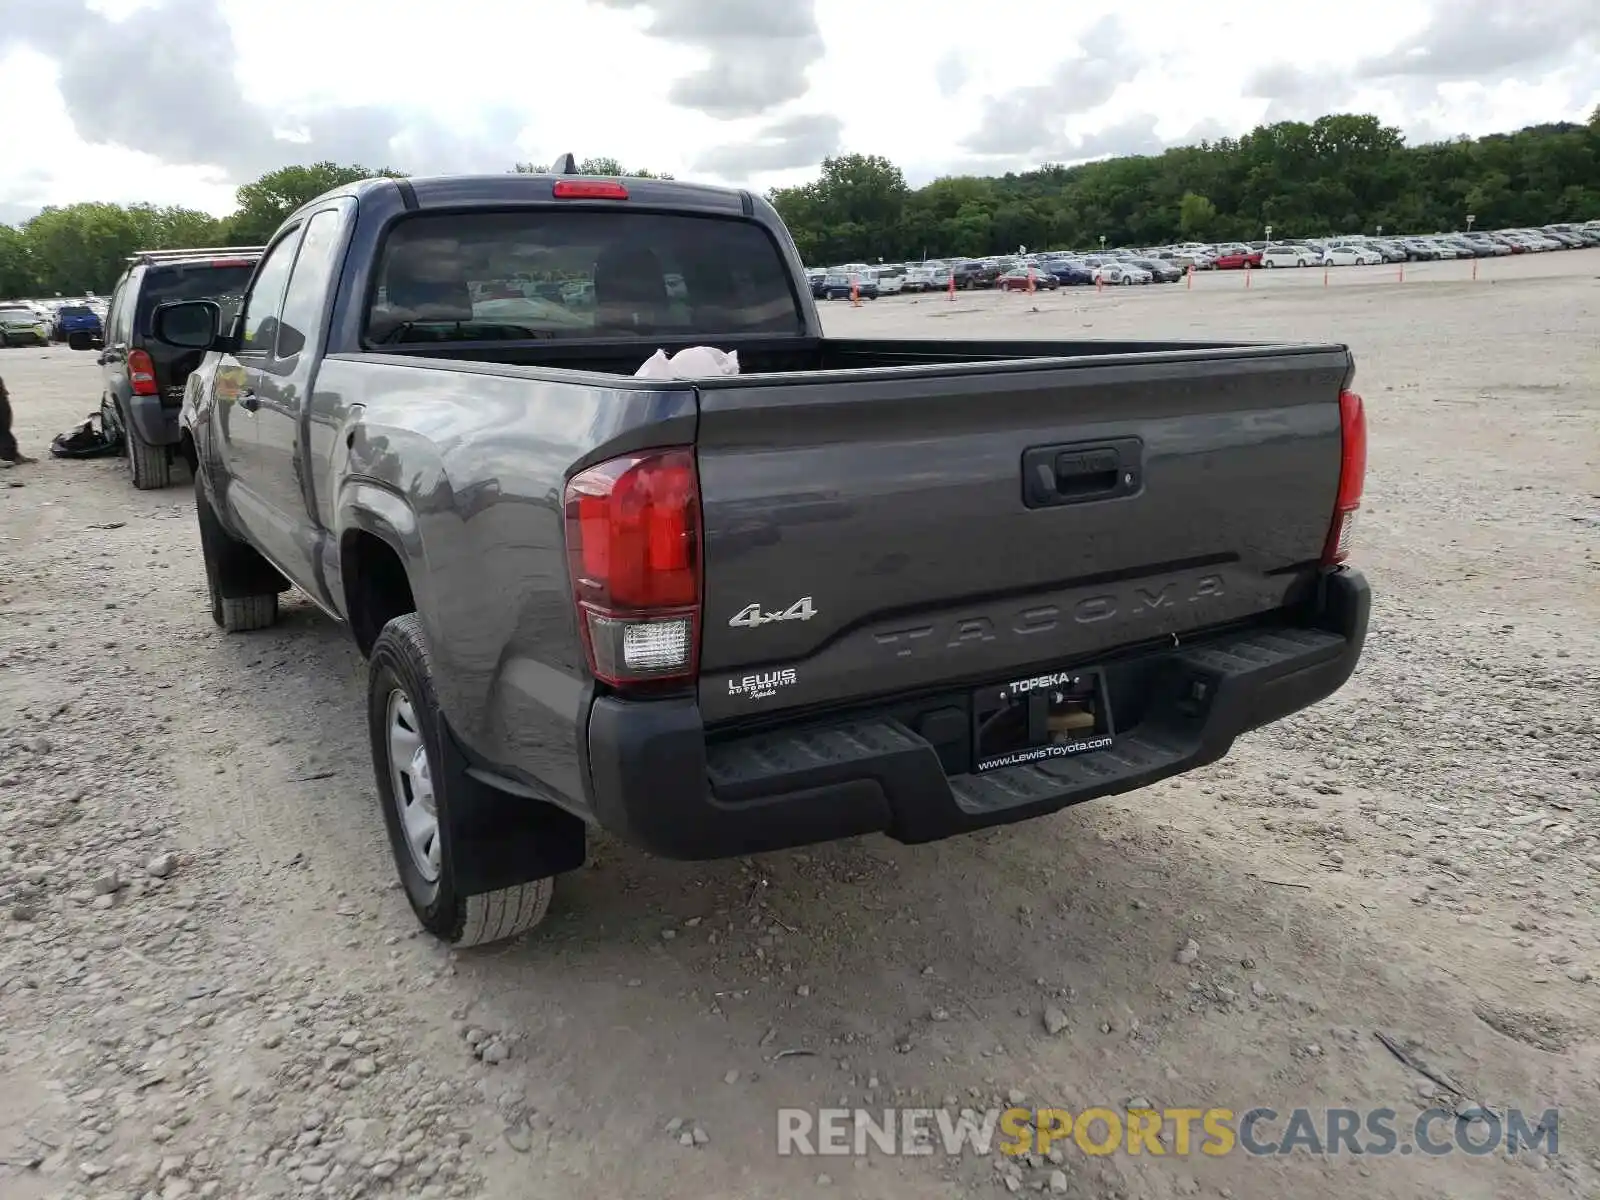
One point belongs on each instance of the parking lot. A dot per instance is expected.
(209, 985)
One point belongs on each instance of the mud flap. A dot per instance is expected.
(240, 570)
(497, 840)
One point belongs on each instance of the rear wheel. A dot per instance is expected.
(403, 721)
(150, 466)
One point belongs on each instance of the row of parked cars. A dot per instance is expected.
(1031, 272)
(40, 322)
(1050, 269)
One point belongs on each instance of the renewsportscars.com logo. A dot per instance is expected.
(1168, 1132)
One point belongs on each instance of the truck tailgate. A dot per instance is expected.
(876, 532)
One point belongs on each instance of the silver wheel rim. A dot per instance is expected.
(411, 779)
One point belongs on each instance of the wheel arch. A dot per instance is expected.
(378, 542)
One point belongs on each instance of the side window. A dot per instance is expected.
(120, 319)
(266, 296)
(109, 325)
(308, 283)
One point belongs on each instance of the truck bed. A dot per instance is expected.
(767, 356)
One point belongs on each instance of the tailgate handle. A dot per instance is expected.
(1056, 475)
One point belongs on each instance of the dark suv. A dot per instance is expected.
(144, 377)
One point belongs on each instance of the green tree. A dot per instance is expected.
(17, 278)
(82, 247)
(1196, 215)
(174, 228)
(266, 203)
(593, 166)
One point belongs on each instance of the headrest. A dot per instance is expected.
(425, 277)
(629, 274)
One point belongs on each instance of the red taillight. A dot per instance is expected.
(633, 551)
(1352, 476)
(142, 373)
(589, 189)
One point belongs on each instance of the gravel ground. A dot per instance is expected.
(209, 985)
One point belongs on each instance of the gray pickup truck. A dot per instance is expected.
(910, 587)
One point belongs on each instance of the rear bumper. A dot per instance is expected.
(157, 424)
(656, 782)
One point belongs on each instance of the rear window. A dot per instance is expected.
(577, 274)
(75, 310)
(193, 281)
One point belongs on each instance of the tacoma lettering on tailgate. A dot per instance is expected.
(1134, 600)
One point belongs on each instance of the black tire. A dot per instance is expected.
(1269, 264)
(400, 661)
(232, 614)
(149, 466)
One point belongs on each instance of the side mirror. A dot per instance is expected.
(84, 340)
(189, 324)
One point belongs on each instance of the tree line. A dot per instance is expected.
(1344, 173)
(1337, 175)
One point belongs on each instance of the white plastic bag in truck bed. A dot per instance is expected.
(697, 362)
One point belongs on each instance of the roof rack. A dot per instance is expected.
(152, 256)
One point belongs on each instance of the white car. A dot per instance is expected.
(1288, 256)
(890, 282)
(1120, 272)
(1351, 256)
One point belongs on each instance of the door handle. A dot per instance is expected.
(1057, 475)
(249, 401)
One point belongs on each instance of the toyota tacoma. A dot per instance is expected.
(915, 587)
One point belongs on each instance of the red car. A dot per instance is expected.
(1017, 281)
(1235, 260)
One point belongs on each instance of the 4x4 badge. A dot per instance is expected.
(751, 616)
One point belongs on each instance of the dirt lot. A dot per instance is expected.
(209, 985)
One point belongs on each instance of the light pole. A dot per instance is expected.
(1380, 230)
(1269, 237)
(1470, 219)
(1102, 243)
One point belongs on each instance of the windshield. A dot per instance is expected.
(194, 281)
(578, 274)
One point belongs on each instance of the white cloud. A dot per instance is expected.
(743, 91)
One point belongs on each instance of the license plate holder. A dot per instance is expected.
(1055, 714)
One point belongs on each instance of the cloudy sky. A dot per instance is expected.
(178, 101)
